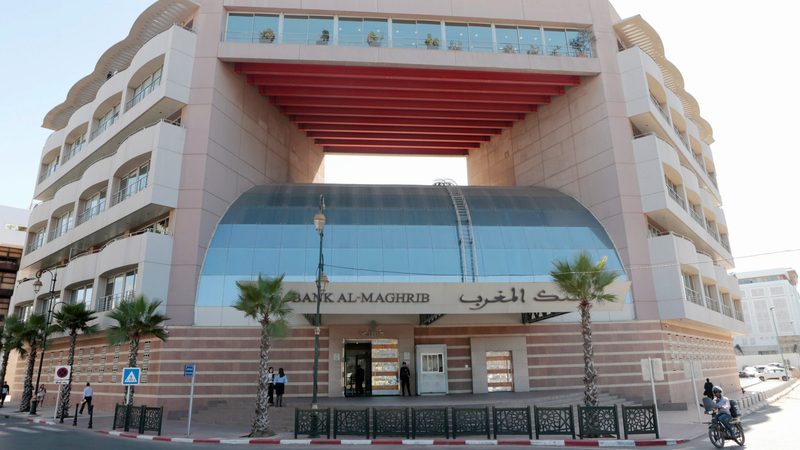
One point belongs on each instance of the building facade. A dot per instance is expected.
(761, 291)
(192, 156)
(12, 241)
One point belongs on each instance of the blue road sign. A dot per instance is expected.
(188, 370)
(131, 376)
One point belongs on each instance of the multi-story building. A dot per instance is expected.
(191, 158)
(762, 291)
(12, 240)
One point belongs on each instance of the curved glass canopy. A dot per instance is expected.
(395, 234)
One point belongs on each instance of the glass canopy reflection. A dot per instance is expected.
(395, 234)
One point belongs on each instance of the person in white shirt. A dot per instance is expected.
(723, 408)
(87, 397)
(280, 384)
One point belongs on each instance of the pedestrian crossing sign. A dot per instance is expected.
(130, 376)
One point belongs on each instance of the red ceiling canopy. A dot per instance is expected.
(384, 110)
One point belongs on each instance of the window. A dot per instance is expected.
(511, 39)
(75, 147)
(555, 42)
(119, 287)
(432, 362)
(307, 30)
(24, 311)
(62, 224)
(106, 121)
(358, 32)
(36, 240)
(252, 28)
(49, 168)
(81, 294)
(93, 206)
(416, 34)
(470, 37)
(131, 183)
(145, 87)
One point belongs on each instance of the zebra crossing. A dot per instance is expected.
(7, 429)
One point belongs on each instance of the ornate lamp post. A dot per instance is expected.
(37, 286)
(322, 283)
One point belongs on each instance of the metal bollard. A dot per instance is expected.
(91, 415)
(75, 419)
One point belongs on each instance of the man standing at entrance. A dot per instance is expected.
(405, 380)
(359, 379)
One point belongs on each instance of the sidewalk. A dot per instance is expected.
(676, 427)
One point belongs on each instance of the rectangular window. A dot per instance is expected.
(81, 294)
(133, 182)
(92, 206)
(499, 371)
(108, 119)
(61, 224)
(24, 311)
(358, 32)
(432, 362)
(119, 287)
(145, 87)
(76, 146)
(36, 240)
(416, 34)
(307, 30)
(555, 42)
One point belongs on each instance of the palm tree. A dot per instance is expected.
(586, 282)
(10, 342)
(71, 319)
(30, 334)
(136, 319)
(264, 301)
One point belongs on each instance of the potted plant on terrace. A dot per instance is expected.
(431, 42)
(267, 36)
(374, 39)
(455, 45)
(534, 50)
(508, 48)
(324, 37)
(581, 44)
(555, 50)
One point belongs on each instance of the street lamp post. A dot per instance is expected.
(778, 340)
(37, 286)
(321, 282)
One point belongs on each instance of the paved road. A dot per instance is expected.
(18, 434)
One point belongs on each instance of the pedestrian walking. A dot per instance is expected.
(4, 391)
(270, 385)
(40, 395)
(707, 389)
(280, 385)
(405, 380)
(88, 392)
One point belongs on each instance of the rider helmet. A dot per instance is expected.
(717, 390)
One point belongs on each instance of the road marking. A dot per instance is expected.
(24, 430)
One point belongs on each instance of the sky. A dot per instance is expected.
(734, 61)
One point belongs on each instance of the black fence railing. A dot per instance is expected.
(138, 418)
(593, 421)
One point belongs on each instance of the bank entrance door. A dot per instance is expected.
(432, 369)
(499, 371)
(370, 367)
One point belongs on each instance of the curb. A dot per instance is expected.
(484, 442)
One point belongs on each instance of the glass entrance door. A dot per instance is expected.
(499, 372)
(357, 369)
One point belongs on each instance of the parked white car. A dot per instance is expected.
(748, 372)
(773, 373)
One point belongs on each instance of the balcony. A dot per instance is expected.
(673, 257)
(73, 150)
(727, 310)
(738, 315)
(143, 93)
(59, 231)
(109, 302)
(103, 126)
(660, 109)
(90, 212)
(128, 191)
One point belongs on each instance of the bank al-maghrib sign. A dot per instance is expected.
(443, 298)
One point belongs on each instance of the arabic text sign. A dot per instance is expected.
(444, 298)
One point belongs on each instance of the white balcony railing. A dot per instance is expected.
(727, 310)
(676, 196)
(660, 108)
(143, 93)
(102, 126)
(109, 302)
(693, 296)
(124, 193)
(90, 212)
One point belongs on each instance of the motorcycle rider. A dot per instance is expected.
(723, 409)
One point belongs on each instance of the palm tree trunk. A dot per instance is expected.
(261, 423)
(132, 351)
(6, 355)
(590, 374)
(67, 388)
(27, 391)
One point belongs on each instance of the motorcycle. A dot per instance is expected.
(716, 430)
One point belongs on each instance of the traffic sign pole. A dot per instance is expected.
(58, 401)
(191, 400)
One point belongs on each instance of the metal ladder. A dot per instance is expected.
(466, 240)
